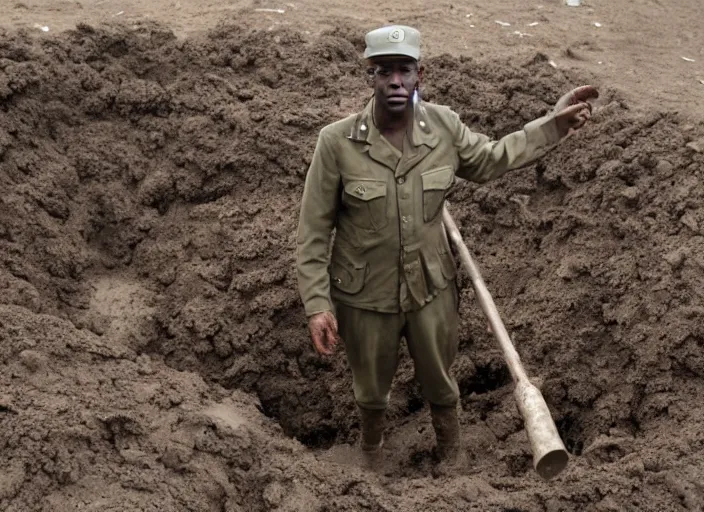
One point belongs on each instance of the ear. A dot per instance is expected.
(420, 74)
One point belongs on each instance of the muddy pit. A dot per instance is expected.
(153, 346)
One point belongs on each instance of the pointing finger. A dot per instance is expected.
(584, 93)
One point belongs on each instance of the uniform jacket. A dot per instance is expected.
(390, 252)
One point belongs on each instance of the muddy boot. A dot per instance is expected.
(372, 421)
(447, 433)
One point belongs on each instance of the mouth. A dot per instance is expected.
(397, 99)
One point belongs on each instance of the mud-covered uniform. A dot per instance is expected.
(391, 272)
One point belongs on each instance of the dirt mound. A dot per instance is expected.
(150, 191)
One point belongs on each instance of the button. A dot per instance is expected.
(405, 196)
(405, 219)
(401, 180)
(363, 127)
(422, 124)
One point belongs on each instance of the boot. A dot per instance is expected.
(372, 429)
(447, 432)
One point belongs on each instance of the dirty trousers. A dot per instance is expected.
(372, 343)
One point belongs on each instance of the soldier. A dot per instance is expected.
(380, 178)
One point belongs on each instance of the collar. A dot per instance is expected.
(365, 131)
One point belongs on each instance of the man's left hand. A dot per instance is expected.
(573, 109)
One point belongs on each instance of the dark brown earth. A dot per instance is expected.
(153, 349)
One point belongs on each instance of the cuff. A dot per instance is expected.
(317, 305)
(542, 132)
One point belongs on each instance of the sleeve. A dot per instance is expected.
(483, 159)
(317, 218)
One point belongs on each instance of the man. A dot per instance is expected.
(380, 178)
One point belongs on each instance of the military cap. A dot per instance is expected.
(393, 40)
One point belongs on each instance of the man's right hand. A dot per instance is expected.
(323, 331)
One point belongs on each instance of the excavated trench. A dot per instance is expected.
(150, 192)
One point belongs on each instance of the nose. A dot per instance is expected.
(396, 80)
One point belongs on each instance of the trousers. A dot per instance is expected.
(372, 342)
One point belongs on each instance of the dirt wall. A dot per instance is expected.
(154, 347)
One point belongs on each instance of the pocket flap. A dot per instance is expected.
(438, 179)
(366, 190)
(346, 275)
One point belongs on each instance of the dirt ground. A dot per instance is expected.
(638, 47)
(153, 348)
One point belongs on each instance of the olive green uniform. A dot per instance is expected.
(391, 272)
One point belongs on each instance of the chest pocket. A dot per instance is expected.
(366, 203)
(436, 184)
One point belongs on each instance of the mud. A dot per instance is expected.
(153, 346)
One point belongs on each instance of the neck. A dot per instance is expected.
(386, 121)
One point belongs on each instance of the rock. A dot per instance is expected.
(675, 258)
(608, 504)
(274, 494)
(98, 323)
(6, 404)
(135, 457)
(696, 145)
(571, 267)
(630, 193)
(144, 365)
(633, 465)
(609, 169)
(175, 456)
(690, 221)
(664, 167)
(32, 360)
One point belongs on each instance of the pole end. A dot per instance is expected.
(551, 463)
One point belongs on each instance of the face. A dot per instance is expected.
(394, 80)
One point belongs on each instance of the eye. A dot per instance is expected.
(407, 71)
